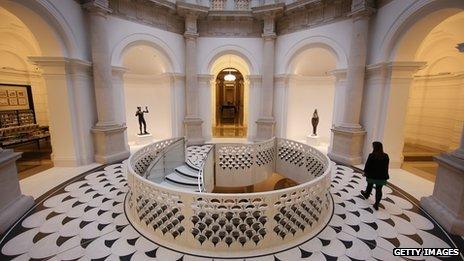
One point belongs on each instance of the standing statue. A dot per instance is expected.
(139, 113)
(314, 122)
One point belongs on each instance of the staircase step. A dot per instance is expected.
(181, 179)
(176, 186)
(187, 171)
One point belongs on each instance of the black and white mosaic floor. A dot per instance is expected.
(84, 220)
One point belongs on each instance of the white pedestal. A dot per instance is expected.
(144, 139)
(13, 204)
(312, 140)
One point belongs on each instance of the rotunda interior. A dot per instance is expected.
(231, 130)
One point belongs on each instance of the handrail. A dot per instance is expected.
(161, 155)
(177, 217)
(201, 171)
(250, 194)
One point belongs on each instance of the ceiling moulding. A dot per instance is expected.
(158, 13)
(296, 16)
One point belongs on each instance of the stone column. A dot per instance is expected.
(266, 122)
(348, 135)
(206, 112)
(340, 81)
(446, 204)
(281, 83)
(70, 103)
(109, 135)
(13, 204)
(254, 85)
(192, 121)
(178, 104)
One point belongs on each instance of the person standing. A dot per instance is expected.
(376, 172)
(139, 113)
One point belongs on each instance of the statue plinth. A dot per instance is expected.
(313, 140)
(144, 139)
(13, 204)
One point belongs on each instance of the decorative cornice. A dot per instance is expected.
(441, 76)
(254, 78)
(60, 65)
(338, 73)
(205, 77)
(362, 9)
(184, 9)
(18, 73)
(97, 6)
(55, 60)
(171, 17)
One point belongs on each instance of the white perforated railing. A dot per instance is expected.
(233, 224)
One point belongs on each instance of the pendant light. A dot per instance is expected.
(229, 77)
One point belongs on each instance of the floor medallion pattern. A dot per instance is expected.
(84, 220)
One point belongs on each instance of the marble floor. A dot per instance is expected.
(83, 219)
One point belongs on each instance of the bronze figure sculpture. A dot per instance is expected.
(139, 113)
(315, 122)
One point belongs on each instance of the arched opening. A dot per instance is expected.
(229, 104)
(422, 91)
(147, 84)
(435, 109)
(229, 111)
(24, 116)
(311, 88)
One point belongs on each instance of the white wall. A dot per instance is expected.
(435, 112)
(16, 46)
(305, 94)
(151, 91)
(335, 35)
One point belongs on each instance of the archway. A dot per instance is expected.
(216, 91)
(229, 104)
(311, 87)
(414, 83)
(147, 83)
(435, 111)
(34, 44)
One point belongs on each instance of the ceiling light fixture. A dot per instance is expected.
(229, 77)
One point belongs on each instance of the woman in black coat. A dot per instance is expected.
(376, 171)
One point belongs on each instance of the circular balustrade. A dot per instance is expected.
(240, 224)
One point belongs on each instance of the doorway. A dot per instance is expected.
(229, 105)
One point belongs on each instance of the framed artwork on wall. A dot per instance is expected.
(11, 93)
(15, 97)
(22, 101)
(4, 102)
(13, 101)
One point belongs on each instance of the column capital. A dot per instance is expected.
(60, 65)
(362, 9)
(402, 69)
(339, 74)
(205, 77)
(252, 78)
(118, 70)
(100, 7)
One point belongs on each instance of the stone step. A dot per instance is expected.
(176, 186)
(182, 180)
(187, 171)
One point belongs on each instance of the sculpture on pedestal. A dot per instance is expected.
(139, 113)
(315, 122)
